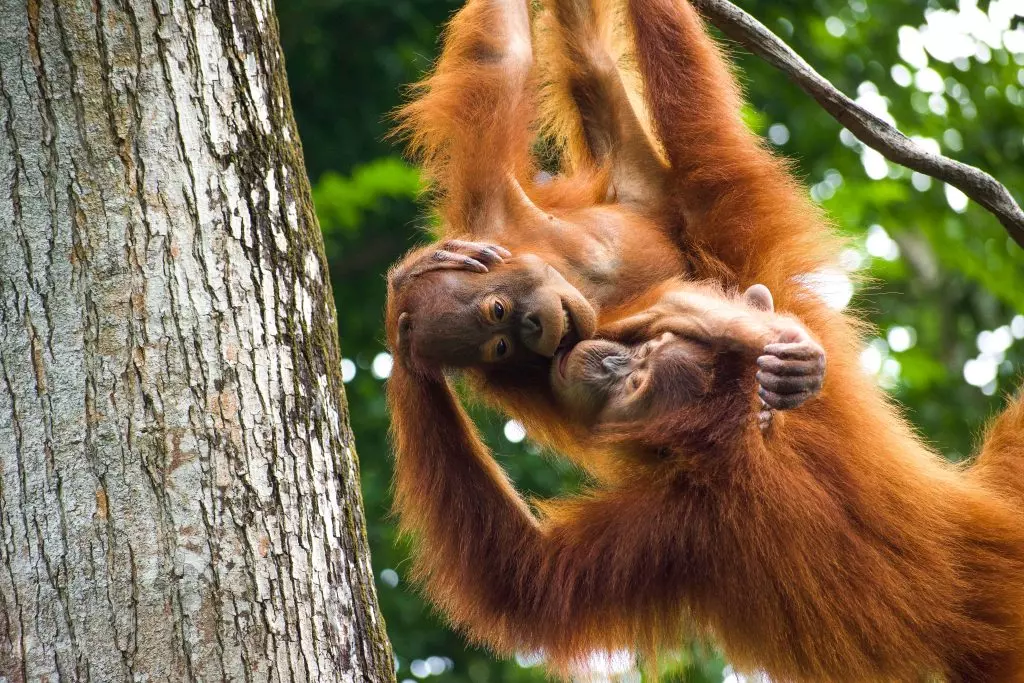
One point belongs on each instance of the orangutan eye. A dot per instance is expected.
(634, 382)
(497, 349)
(495, 309)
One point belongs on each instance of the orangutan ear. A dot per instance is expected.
(404, 326)
(759, 297)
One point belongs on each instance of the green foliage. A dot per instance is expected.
(957, 274)
(343, 202)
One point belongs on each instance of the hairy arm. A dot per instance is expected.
(738, 201)
(594, 575)
(586, 104)
(469, 123)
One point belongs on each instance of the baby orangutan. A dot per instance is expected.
(607, 381)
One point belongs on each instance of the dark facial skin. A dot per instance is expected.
(506, 308)
(603, 381)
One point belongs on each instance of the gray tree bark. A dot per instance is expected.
(179, 494)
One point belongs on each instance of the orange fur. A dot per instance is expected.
(1000, 463)
(580, 41)
(738, 201)
(478, 90)
(836, 548)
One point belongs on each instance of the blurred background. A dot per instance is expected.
(945, 284)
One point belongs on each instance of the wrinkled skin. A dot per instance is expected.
(601, 380)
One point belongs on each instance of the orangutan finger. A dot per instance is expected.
(783, 402)
(779, 366)
(781, 384)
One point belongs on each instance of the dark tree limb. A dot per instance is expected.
(868, 128)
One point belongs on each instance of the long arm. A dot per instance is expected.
(595, 575)
(737, 200)
(469, 124)
(586, 103)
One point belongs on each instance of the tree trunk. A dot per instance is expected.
(179, 495)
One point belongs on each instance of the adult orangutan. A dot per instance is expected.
(583, 246)
(833, 547)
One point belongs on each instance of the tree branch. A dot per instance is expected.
(869, 129)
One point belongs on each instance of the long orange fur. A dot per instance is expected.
(838, 547)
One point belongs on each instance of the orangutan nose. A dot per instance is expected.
(615, 365)
(539, 333)
(532, 327)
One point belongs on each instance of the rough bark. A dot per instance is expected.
(179, 492)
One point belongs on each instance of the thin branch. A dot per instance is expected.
(869, 129)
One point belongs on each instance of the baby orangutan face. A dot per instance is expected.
(601, 381)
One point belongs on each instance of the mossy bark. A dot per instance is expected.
(179, 495)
